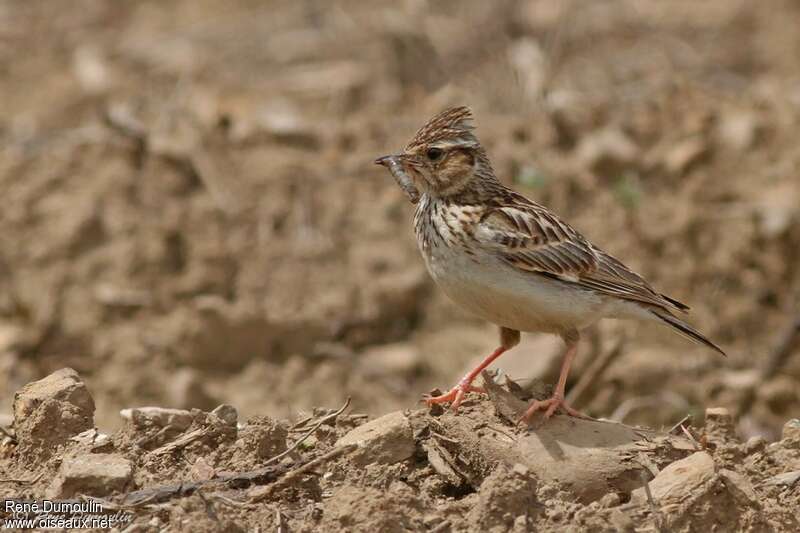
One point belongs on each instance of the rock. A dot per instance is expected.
(739, 487)
(93, 440)
(755, 444)
(588, 458)
(50, 411)
(504, 496)
(787, 479)
(386, 440)
(154, 426)
(680, 481)
(719, 424)
(263, 437)
(621, 522)
(96, 474)
(201, 470)
(790, 434)
(611, 499)
(227, 413)
(145, 417)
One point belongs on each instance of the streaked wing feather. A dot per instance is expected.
(527, 239)
(531, 239)
(614, 278)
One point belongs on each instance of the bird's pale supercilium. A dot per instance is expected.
(510, 260)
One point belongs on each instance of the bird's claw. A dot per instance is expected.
(549, 406)
(455, 395)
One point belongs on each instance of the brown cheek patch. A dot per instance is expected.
(457, 163)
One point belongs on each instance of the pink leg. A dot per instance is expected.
(457, 393)
(551, 405)
(508, 339)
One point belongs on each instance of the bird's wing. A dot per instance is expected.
(531, 239)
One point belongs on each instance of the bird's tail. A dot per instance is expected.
(685, 329)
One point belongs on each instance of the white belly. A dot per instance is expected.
(518, 300)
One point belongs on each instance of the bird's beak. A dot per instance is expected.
(384, 161)
(406, 161)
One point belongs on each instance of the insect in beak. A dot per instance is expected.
(395, 165)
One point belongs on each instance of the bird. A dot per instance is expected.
(512, 261)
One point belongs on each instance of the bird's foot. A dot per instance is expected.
(549, 406)
(455, 395)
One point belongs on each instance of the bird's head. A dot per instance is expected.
(445, 158)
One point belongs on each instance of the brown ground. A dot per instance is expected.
(191, 215)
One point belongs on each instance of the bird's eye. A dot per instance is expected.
(434, 153)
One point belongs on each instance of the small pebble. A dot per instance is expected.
(791, 429)
(755, 444)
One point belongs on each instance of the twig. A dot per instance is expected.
(442, 437)
(280, 521)
(308, 433)
(649, 493)
(107, 505)
(697, 445)
(591, 377)
(653, 505)
(164, 493)
(268, 473)
(509, 436)
(684, 421)
(229, 501)
(181, 442)
(311, 465)
(442, 527)
(299, 425)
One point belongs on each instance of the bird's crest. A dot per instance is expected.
(451, 126)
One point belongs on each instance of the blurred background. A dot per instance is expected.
(190, 213)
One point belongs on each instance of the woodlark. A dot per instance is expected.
(510, 260)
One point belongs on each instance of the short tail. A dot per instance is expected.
(686, 330)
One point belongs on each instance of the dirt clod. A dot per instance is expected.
(143, 417)
(50, 411)
(790, 436)
(719, 425)
(226, 413)
(394, 510)
(506, 496)
(676, 488)
(97, 474)
(263, 437)
(385, 440)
